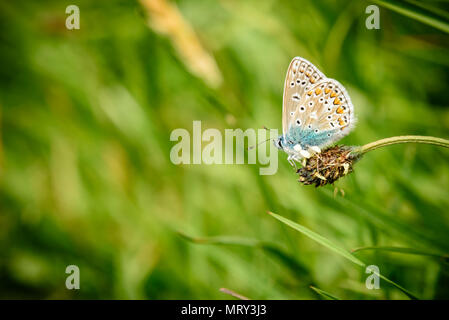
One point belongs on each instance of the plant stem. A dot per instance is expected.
(403, 139)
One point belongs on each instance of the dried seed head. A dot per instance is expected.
(328, 166)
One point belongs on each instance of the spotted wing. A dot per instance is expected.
(324, 114)
(301, 77)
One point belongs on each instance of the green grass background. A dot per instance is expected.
(86, 178)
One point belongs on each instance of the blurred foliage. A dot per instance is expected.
(86, 178)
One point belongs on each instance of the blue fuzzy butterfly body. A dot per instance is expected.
(305, 138)
(317, 111)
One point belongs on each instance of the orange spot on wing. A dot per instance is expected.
(318, 91)
(326, 91)
(312, 80)
(333, 94)
(341, 121)
(340, 110)
(309, 93)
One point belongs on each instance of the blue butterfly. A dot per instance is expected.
(317, 111)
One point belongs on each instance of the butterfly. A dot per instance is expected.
(316, 111)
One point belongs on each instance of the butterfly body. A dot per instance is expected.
(317, 111)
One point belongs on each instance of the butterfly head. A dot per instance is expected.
(279, 142)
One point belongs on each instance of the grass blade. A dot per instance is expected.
(324, 294)
(430, 8)
(443, 257)
(320, 239)
(223, 240)
(416, 13)
(295, 266)
(386, 221)
(337, 249)
(234, 294)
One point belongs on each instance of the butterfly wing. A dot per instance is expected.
(324, 115)
(301, 77)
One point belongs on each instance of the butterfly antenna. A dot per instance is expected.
(252, 147)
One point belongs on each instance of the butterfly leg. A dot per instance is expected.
(291, 159)
(301, 155)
